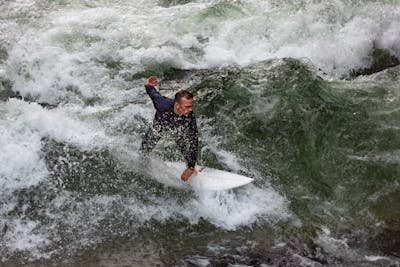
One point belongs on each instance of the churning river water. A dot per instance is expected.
(303, 96)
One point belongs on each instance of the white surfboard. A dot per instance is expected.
(206, 178)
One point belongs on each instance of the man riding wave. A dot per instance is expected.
(174, 116)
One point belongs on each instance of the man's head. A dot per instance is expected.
(183, 103)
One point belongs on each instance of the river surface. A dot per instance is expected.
(303, 96)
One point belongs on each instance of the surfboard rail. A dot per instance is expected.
(207, 178)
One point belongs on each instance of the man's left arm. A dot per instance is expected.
(193, 143)
(189, 149)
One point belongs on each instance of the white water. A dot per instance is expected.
(56, 54)
(22, 128)
(62, 46)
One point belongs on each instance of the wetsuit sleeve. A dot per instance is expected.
(191, 155)
(160, 102)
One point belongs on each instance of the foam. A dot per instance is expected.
(89, 217)
(390, 38)
(230, 210)
(335, 37)
(376, 258)
(331, 244)
(20, 160)
(55, 123)
(22, 128)
(23, 236)
(44, 72)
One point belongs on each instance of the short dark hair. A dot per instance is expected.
(183, 93)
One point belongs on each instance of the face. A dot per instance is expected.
(184, 106)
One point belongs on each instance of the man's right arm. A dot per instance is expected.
(152, 92)
(156, 97)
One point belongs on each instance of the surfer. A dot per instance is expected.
(174, 116)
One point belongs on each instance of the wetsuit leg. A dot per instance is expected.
(151, 138)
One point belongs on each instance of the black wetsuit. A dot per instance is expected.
(183, 128)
